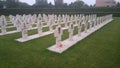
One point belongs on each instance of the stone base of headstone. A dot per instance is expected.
(67, 43)
(10, 32)
(33, 37)
(15, 31)
(36, 36)
(10, 27)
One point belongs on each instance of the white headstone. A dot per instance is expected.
(86, 24)
(50, 24)
(71, 31)
(39, 24)
(66, 22)
(24, 30)
(58, 35)
(95, 20)
(18, 24)
(3, 24)
(79, 27)
(90, 21)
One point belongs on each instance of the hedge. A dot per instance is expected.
(100, 11)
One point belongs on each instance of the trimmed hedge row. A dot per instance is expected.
(99, 11)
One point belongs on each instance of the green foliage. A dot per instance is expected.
(100, 11)
(11, 4)
(77, 7)
(77, 4)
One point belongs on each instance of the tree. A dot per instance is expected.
(12, 4)
(1, 4)
(23, 5)
(118, 4)
(78, 4)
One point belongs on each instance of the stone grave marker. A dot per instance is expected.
(79, 27)
(3, 24)
(39, 24)
(24, 30)
(58, 35)
(71, 31)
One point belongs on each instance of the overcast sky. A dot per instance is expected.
(89, 2)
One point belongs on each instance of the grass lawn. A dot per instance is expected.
(99, 50)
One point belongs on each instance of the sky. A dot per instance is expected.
(89, 2)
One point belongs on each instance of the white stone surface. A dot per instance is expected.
(33, 36)
(15, 31)
(10, 32)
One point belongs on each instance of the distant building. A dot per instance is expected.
(58, 2)
(105, 3)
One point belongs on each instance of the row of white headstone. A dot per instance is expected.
(89, 22)
(51, 22)
(24, 23)
(27, 21)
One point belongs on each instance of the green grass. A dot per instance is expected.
(10, 24)
(11, 29)
(35, 31)
(99, 50)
